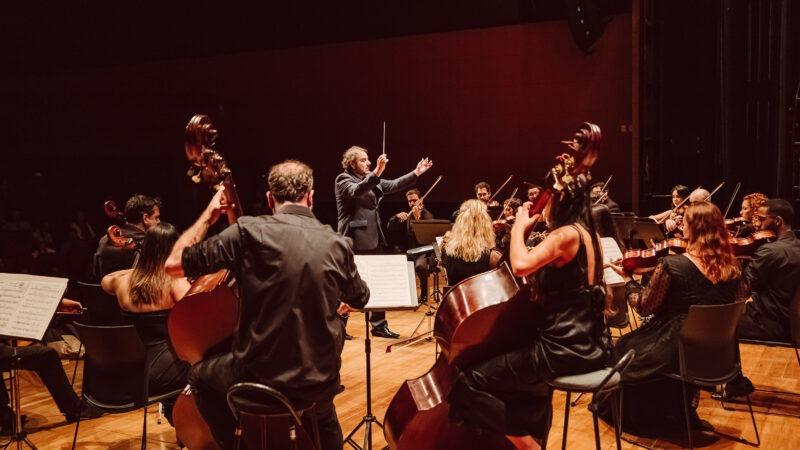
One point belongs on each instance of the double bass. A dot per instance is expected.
(483, 316)
(206, 317)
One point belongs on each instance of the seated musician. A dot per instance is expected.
(291, 271)
(707, 273)
(145, 294)
(469, 247)
(507, 394)
(699, 195)
(533, 191)
(601, 197)
(400, 225)
(673, 218)
(503, 225)
(751, 223)
(45, 362)
(141, 213)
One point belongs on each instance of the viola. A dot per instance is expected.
(643, 259)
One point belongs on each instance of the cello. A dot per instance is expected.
(478, 318)
(206, 317)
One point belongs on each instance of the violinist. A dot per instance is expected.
(749, 222)
(400, 226)
(507, 394)
(483, 192)
(469, 248)
(503, 225)
(600, 197)
(699, 195)
(707, 273)
(141, 214)
(533, 191)
(673, 218)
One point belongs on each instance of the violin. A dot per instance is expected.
(643, 259)
(743, 247)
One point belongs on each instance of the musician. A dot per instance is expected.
(707, 273)
(699, 195)
(673, 218)
(600, 196)
(503, 225)
(483, 192)
(146, 294)
(359, 191)
(533, 192)
(750, 205)
(141, 213)
(45, 362)
(400, 225)
(469, 248)
(292, 271)
(507, 394)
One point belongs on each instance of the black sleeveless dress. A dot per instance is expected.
(459, 270)
(166, 372)
(507, 394)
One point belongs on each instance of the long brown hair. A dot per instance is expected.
(149, 282)
(708, 240)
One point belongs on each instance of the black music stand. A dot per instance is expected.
(646, 231)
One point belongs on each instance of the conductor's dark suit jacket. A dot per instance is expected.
(357, 201)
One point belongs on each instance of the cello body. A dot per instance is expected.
(478, 318)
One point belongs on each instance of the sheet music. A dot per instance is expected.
(28, 303)
(611, 252)
(390, 279)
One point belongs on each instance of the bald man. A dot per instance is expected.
(699, 195)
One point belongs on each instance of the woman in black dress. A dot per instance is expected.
(708, 273)
(507, 394)
(146, 294)
(469, 246)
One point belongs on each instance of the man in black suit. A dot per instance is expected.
(359, 191)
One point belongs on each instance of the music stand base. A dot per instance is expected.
(368, 418)
(19, 438)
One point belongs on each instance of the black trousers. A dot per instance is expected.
(212, 378)
(45, 362)
(754, 326)
(422, 267)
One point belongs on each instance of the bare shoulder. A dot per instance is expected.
(111, 281)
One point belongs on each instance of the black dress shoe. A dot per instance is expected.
(739, 387)
(384, 332)
(347, 337)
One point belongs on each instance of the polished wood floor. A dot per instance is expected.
(769, 368)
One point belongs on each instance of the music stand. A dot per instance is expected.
(29, 305)
(646, 231)
(375, 270)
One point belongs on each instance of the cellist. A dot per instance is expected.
(507, 393)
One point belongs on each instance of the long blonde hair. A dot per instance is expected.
(472, 233)
(708, 239)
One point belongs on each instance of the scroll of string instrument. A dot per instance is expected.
(480, 317)
(206, 317)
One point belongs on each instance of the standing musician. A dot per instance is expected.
(145, 293)
(600, 196)
(359, 191)
(507, 394)
(400, 225)
(750, 220)
(483, 192)
(673, 218)
(469, 248)
(292, 271)
(141, 213)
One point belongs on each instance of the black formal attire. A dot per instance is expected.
(109, 258)
(459, 270)
(773, 276)
(292, 272)
(408, 240)
(507, 394)
(165, 371)
(357, 202)
(46, 363)
(651, 404)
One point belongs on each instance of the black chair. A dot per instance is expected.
(258, 408)
(115, 377)
(794, 324)
(708, 353)
(601, 384)
(101, 308)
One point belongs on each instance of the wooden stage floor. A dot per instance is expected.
(768, 367)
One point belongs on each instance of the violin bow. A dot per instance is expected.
(719, 186)
(422, 199)
(733, 197)
(513, 193)
(605, 193)
(500, 188)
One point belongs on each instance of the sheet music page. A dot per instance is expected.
(28, 303)
(390, 279)
(611, 252)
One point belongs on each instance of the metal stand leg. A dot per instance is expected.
(19, 436)
(368, 418)
(428, 317)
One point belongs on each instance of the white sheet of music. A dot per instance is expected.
(28, 303)
(390, 279)
(611, 252)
